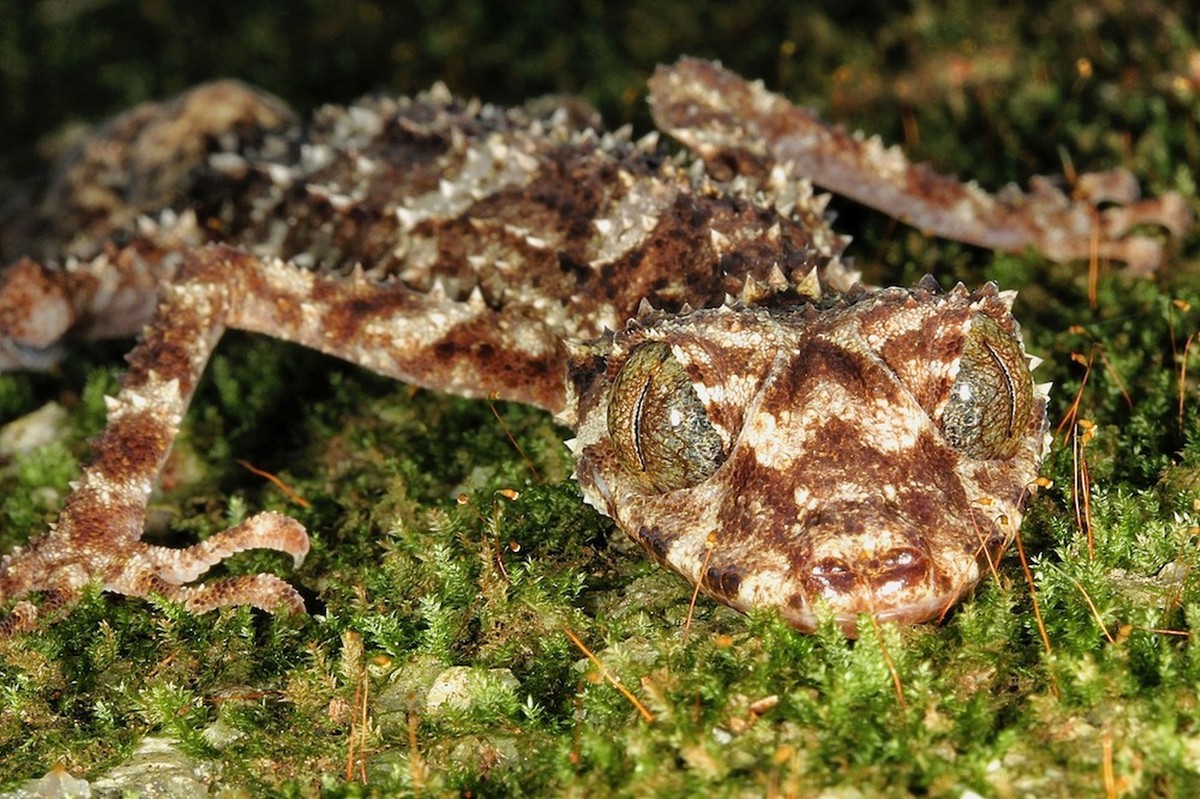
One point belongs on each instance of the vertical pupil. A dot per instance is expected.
(658, 427)
(1009, 390)
(639, 410)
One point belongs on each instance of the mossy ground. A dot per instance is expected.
(406, 581)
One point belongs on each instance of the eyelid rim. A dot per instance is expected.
(626, 418)
(1002, 350)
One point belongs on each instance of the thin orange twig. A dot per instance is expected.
(709, 545)
(415, 762)
(1160, 631)
(891, 665)
(1112, 370)
(537, 477)
(357, 745)
(282, 486)
(1106, 767)
(606, 674)
(1094, 262)
(1037, 609)
(1073, 409)
(1082, 482)
(1095, 610)
(1183, 375)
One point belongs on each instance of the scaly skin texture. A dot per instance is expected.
(760, 424)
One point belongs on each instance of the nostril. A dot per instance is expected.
(871, 577)
(900, 558)
(899, 568)
(830, 576)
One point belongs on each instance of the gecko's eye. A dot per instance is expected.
(992, 398)
(658, 426)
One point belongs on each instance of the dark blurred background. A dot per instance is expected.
(915, 71)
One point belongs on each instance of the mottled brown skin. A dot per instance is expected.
(481, 251)
(838, 492)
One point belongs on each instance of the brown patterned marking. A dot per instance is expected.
(349, 312)
(133, 444)
(25, 285)
(723, 581)
(574, 185)
(918, 353)
(94, 522)
(766, 506)
(672, 241)
(167, 355)
(655, 542)
(935, 467)
(820, 363)
(474, 342)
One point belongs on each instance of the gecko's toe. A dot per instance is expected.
(20, 619)
(263, 531)
(263, 591)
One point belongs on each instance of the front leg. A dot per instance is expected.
(728, 120)
(465, 347)
(97, 538)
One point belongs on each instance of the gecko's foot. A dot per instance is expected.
(59, 565)
(171, 573)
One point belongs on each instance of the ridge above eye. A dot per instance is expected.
(991, 399)
(658, 426)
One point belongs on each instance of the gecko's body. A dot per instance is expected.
(757, 422)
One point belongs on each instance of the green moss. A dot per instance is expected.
(406, 582)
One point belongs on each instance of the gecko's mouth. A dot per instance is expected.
(931, 608)
(914, 610)
(888, 570)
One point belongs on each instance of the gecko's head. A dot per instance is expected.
(866, 456)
